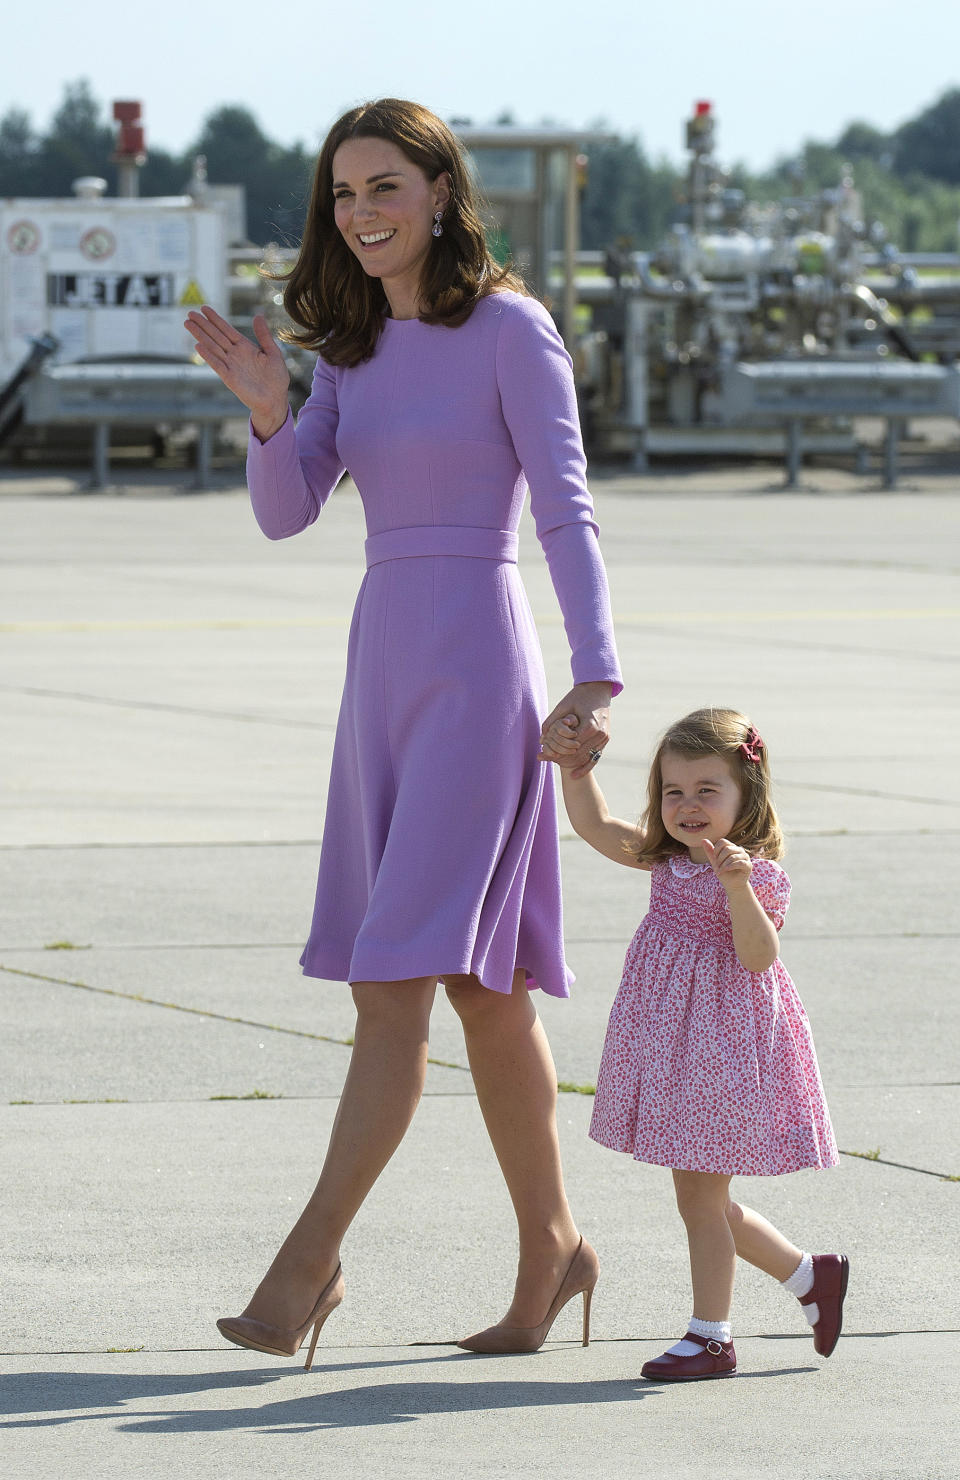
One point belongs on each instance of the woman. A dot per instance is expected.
(440, 385)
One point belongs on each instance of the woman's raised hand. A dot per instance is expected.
(256, 373)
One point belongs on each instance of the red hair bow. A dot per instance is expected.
(752, 747)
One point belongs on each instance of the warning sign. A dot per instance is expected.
(98, 244)
(106, 277)
(23, 238)
(110, 290)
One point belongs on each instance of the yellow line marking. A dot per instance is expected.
(546, 619)
(893, 614)
(174, 624)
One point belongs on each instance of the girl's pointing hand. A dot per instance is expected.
(731, 864)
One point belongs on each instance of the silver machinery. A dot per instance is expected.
(765, 328)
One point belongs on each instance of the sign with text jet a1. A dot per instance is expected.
(110, 290)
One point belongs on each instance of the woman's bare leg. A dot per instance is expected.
(702, 1199)
(381, 1092)
(516, 1083)
(761, 1244)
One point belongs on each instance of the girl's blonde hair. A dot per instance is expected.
(726, 733)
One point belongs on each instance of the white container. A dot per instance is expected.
(109, 278)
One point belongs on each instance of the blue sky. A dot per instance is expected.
(776, 73)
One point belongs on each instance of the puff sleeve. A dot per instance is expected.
(772, 888)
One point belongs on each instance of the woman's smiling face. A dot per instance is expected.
(699, 799)
(384, 209)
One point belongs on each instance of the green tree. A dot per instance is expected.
(930, 144)
(277, 179)
(77, 143)
(919, 214)
(861, 140)
(164, 173)
(627, 200)
(19, 147)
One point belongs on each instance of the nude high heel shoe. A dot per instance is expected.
(261, 1337)
(580, 1279)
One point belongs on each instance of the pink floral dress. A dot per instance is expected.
(708, 1067)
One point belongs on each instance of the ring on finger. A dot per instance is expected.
(594, 755)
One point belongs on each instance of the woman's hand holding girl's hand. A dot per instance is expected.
(256, 373)
(580, 723)
(731, 864)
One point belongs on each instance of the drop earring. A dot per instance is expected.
(437, 228)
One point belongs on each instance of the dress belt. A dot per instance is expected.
(442, 539)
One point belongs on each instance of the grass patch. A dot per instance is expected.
(567, 1087)
(113, 1351)
(865, 1155)
(95, 1102)
(255, 1094)
(64, 945)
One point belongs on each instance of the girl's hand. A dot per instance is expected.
(256, 373)
(732, 865)
(589, 705)
(561, 738)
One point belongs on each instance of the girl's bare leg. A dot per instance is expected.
(516, 1083)
(760, 1243)
(702, 1199)
(382, 1090)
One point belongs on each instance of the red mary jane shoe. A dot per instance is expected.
(829, 1286)
(718, 1359)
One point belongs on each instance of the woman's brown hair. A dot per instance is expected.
(726, 733)
(340, 310)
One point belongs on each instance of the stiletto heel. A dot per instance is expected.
(581, 1278)
(313, 1340)
(260, 1336)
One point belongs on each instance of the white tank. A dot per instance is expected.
(108, 277)
(732, 254)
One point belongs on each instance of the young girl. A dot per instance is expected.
(709, 1066)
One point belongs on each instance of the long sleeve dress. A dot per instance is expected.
(440, 849)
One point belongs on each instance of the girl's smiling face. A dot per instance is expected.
(384, 207)
(699, 799)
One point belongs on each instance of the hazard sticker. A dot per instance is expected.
(191, 294)
(98, 244)
(23, 238)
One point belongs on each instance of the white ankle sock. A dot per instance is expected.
(711, 1330)
(800, 1283)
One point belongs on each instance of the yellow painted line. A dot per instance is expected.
(763, 616)
(175, 624)
(845, 614)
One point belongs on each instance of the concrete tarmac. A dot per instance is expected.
(169, 689)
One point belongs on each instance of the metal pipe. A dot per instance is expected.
(890, 451)
(665, 291)
(101, 455)
(794, 451)
(571, 243)
(895, 332)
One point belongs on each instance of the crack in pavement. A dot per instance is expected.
(165, 708)
(222, 1017)
(583, 1089)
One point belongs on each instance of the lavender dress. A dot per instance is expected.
(440, 849)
